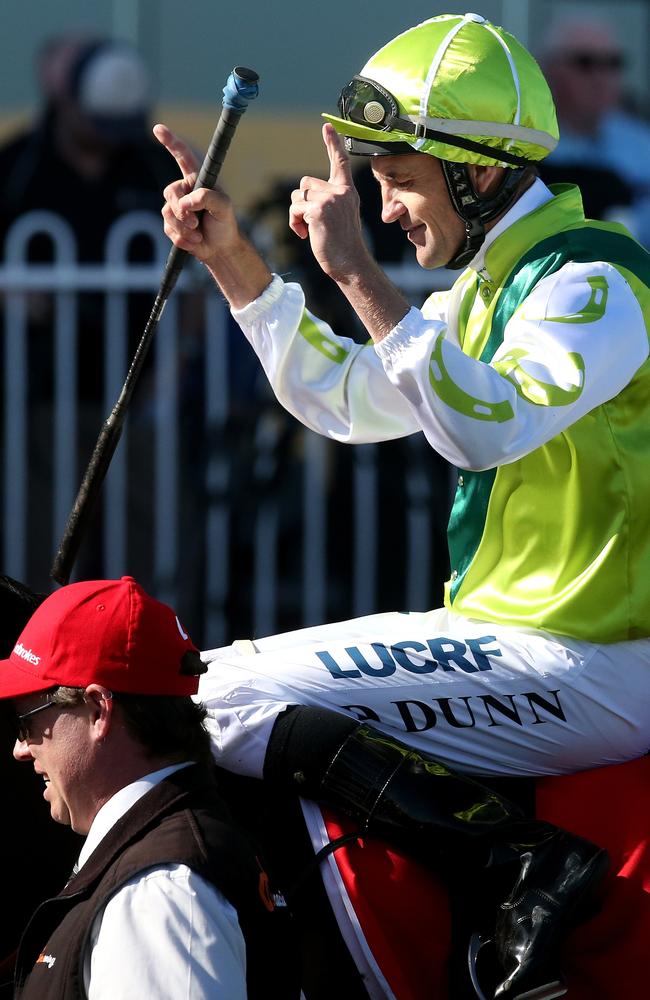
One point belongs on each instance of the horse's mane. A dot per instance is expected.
(18, 602)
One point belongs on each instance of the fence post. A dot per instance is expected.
(65, 386)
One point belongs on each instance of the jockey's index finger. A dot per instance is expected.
(181, 152)
(340, 170)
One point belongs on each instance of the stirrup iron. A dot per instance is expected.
(546, 991)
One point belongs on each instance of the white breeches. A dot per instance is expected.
(483, 698)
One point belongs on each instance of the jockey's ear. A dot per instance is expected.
(486, 180)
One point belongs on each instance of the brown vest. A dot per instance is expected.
(181, 821)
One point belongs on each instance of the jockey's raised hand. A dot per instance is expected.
(203, 222)
(327, 212)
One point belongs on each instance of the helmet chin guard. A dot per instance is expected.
(474, 210)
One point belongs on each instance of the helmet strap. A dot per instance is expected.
(474, 210)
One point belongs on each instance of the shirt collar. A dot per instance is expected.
(527, 224)
(534, 197)
(119, 804)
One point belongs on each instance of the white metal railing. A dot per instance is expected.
(65, 279)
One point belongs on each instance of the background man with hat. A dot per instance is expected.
(167, 898)
(605, 146)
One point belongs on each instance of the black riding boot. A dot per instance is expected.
(559, 875)
(408, 798)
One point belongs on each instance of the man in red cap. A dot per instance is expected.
(167, 899)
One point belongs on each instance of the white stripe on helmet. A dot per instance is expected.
(496, 130)
(513, 70)
(435, 66)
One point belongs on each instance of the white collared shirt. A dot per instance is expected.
(167, 933)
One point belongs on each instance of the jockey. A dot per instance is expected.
(531, 376)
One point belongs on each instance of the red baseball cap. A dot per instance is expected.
(108, 632)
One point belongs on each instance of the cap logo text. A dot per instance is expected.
(26, 654)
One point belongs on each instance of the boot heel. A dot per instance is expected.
(552, 896)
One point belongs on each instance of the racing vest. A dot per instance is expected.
(558, 540)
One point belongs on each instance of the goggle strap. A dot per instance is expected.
(421, 132)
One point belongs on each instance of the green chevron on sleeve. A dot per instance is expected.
(590, 242)
(595, 307)
(319, 340)
(456, 398)
(534, 390)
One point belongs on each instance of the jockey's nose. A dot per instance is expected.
(391, 206)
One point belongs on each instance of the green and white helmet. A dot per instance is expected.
(464, 91)
(454, 86)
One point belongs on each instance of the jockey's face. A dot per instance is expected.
(414, 193)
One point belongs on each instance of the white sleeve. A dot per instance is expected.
(167, 934)
(331, 384)
(573, 344)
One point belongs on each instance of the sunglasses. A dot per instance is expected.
(588, 62)
(24, 721)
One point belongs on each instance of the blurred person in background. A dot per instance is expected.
(604, 147)
(90, 159)
(89, 156)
